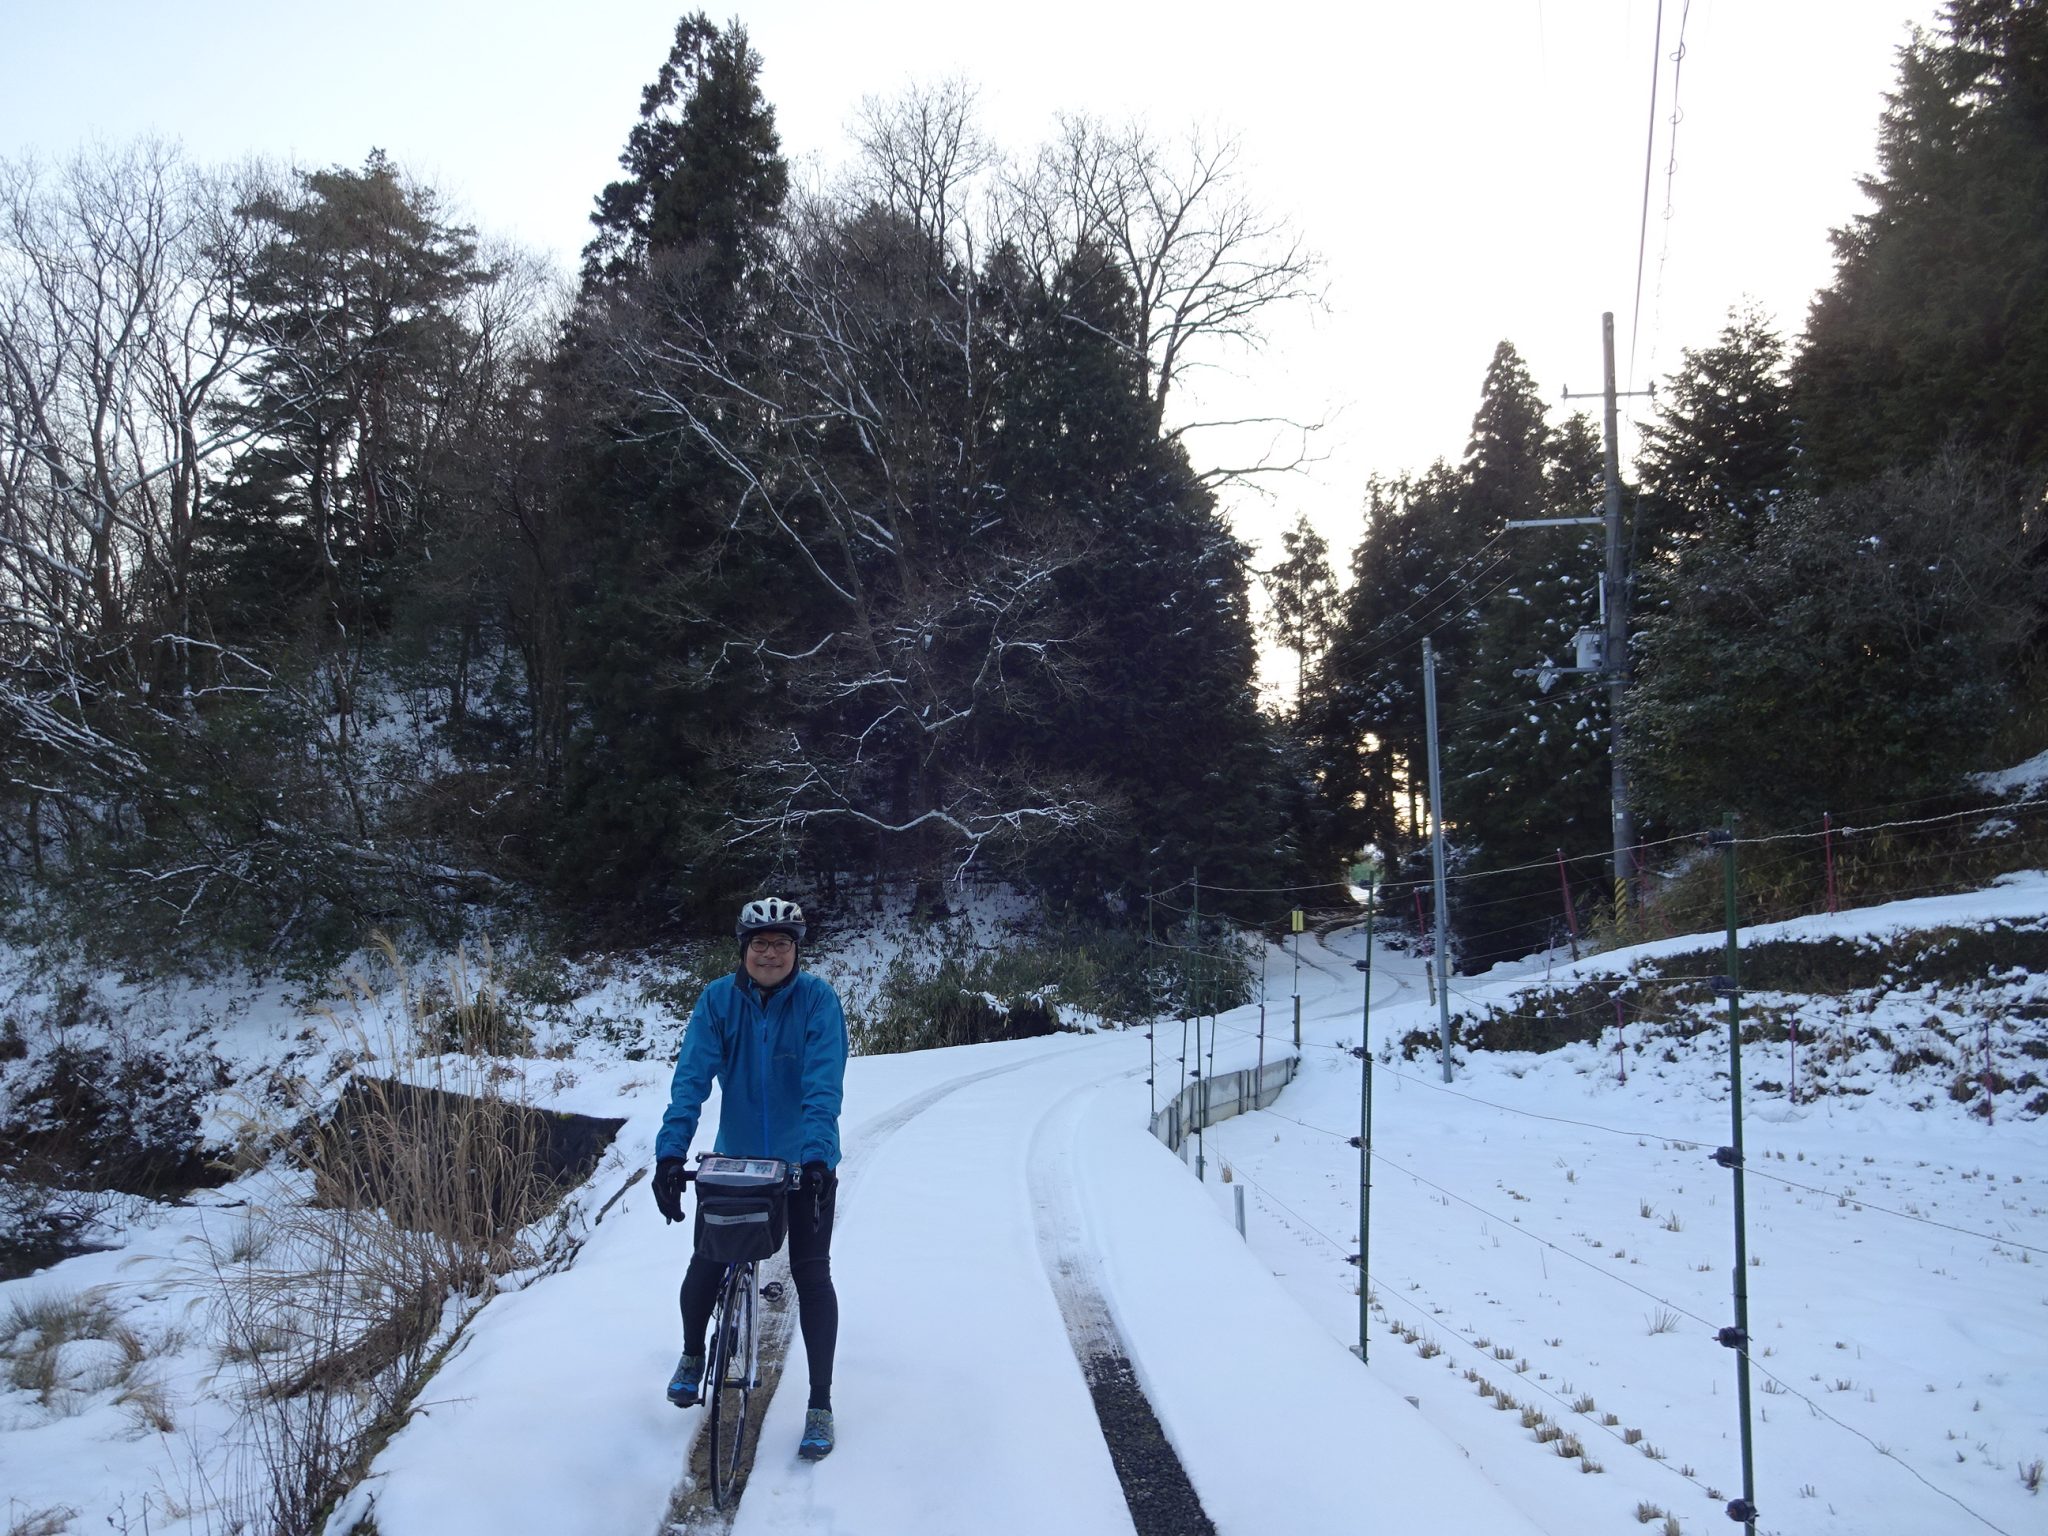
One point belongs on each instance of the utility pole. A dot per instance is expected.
(1436, 821)
(1613, 659)
(1616, 651)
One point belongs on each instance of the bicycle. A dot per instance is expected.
(742, 1218)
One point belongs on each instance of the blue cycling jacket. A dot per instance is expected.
(780, 1063)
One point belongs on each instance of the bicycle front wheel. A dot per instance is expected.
(729, 1381)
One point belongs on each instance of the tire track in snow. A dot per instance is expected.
(1161, 1497)
(690, 1512)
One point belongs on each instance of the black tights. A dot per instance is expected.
(810, 1267)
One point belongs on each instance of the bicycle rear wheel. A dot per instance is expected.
(729, 1381)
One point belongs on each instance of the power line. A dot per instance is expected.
(1986, 813)
(1643, 232)
(1447, 576)
(1670, 175)
(1392, 888)
(1425, 622)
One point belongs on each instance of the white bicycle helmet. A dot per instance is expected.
(771, 914)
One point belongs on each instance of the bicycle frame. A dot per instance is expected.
(732, 1356)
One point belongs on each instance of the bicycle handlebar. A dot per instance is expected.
(794, 1181)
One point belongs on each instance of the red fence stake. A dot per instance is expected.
(1571, 918)
(1643, 894)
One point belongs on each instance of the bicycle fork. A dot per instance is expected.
(752, 1366)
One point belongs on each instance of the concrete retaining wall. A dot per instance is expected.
(1217, 1098)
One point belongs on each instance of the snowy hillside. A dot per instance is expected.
(1550, 1256)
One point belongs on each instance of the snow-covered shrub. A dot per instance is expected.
(918, 1010)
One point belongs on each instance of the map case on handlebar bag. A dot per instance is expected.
(742, 1207)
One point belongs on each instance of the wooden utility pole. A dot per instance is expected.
(1613, 615)
(1436, 844)
(1615, 653)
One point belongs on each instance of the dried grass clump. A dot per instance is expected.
(65, 1347)
(394, 1219)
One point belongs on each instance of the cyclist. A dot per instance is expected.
(774, 1036)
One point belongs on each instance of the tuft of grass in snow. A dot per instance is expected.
(64, 1348)
(52, 1521)
(148, 1404)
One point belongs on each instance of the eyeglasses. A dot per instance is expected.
(774, 944)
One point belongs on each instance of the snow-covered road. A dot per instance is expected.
(1550, 1262)
(997, 1200)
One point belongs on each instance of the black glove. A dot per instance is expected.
(817, 1178)
(668, 1188)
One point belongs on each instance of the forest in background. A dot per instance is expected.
(356, 573)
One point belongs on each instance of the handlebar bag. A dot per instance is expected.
(742, 1208)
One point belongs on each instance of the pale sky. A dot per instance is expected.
(1469, 171)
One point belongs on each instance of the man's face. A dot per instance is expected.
(770, 957)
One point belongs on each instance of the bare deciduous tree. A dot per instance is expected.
(1207, 263)
(121, 322)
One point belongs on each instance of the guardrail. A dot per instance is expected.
(1217, 1098)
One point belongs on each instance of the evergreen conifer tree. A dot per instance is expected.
(1301, 597)
(1157, 610)
(1525, 770)
(355, 292)
(705, 173)
(661, 703)
(1406, 580)
(1724, 447)
(1935, 328)
(1522, 768)
(1846, 655)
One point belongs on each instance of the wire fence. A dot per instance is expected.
(1907, 855)
(1866, 854)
